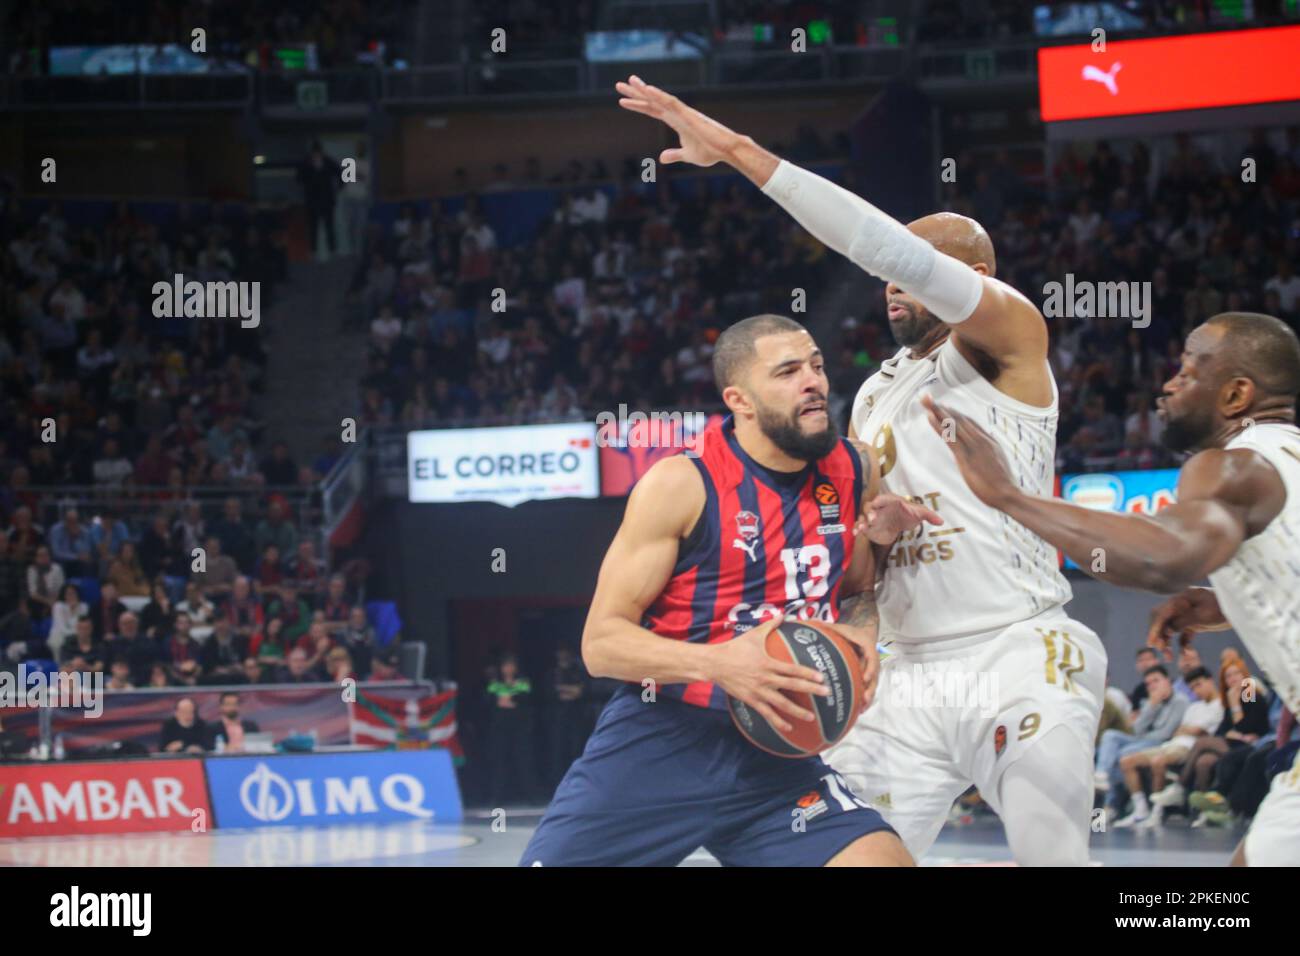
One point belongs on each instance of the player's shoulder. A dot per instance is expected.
(671, 491)
(1237, 475)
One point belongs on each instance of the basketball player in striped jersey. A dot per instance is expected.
(716, 547)
(978, 601)
(1232, 405)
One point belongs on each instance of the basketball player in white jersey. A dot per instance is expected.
(1237, 521)
(976, 602)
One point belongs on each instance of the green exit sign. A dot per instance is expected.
(312, 95)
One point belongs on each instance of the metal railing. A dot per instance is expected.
(326, 89)
(137, 503)
(964, 59)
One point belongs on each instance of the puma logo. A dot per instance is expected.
(1105, 78)
(749, 548)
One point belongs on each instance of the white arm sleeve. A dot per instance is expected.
(877, 243)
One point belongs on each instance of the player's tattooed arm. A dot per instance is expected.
(861, 611)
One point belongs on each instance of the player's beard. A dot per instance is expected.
(1185, 432)
(912, 331)
(785, 432)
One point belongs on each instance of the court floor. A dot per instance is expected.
(485, 839)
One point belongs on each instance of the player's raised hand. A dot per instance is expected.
(1181, 616)
(705, 141)
(743, 668)
(887, 516)
(978, 455)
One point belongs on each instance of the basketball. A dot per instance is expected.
(821, 647)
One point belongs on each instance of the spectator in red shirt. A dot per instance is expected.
(154, 466)
(181, 646)
(269, 573)
(316, 643)
(243, 610)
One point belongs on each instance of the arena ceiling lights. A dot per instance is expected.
(1202, 71)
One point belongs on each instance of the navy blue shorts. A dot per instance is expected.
(659, 780)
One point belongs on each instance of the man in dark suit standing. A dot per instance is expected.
(320, 177)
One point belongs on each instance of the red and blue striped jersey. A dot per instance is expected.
(766, 542)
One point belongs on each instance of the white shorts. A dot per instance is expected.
(948, 714)
(1274, 835)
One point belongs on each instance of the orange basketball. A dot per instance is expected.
(819, 646)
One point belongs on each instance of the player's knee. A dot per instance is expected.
(1047, 802)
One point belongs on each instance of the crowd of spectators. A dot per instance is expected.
(1191, 742)
(243, 31)
(130, 443)
(616, 298)
(1165, 212)
(619, 295)
(259, 606)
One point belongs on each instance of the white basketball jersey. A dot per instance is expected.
(1259, 588)
(979, 570)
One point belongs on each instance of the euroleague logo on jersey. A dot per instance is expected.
(828, 500)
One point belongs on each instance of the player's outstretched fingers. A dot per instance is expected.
(768, 713)
(784, 704)
(798, 677)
